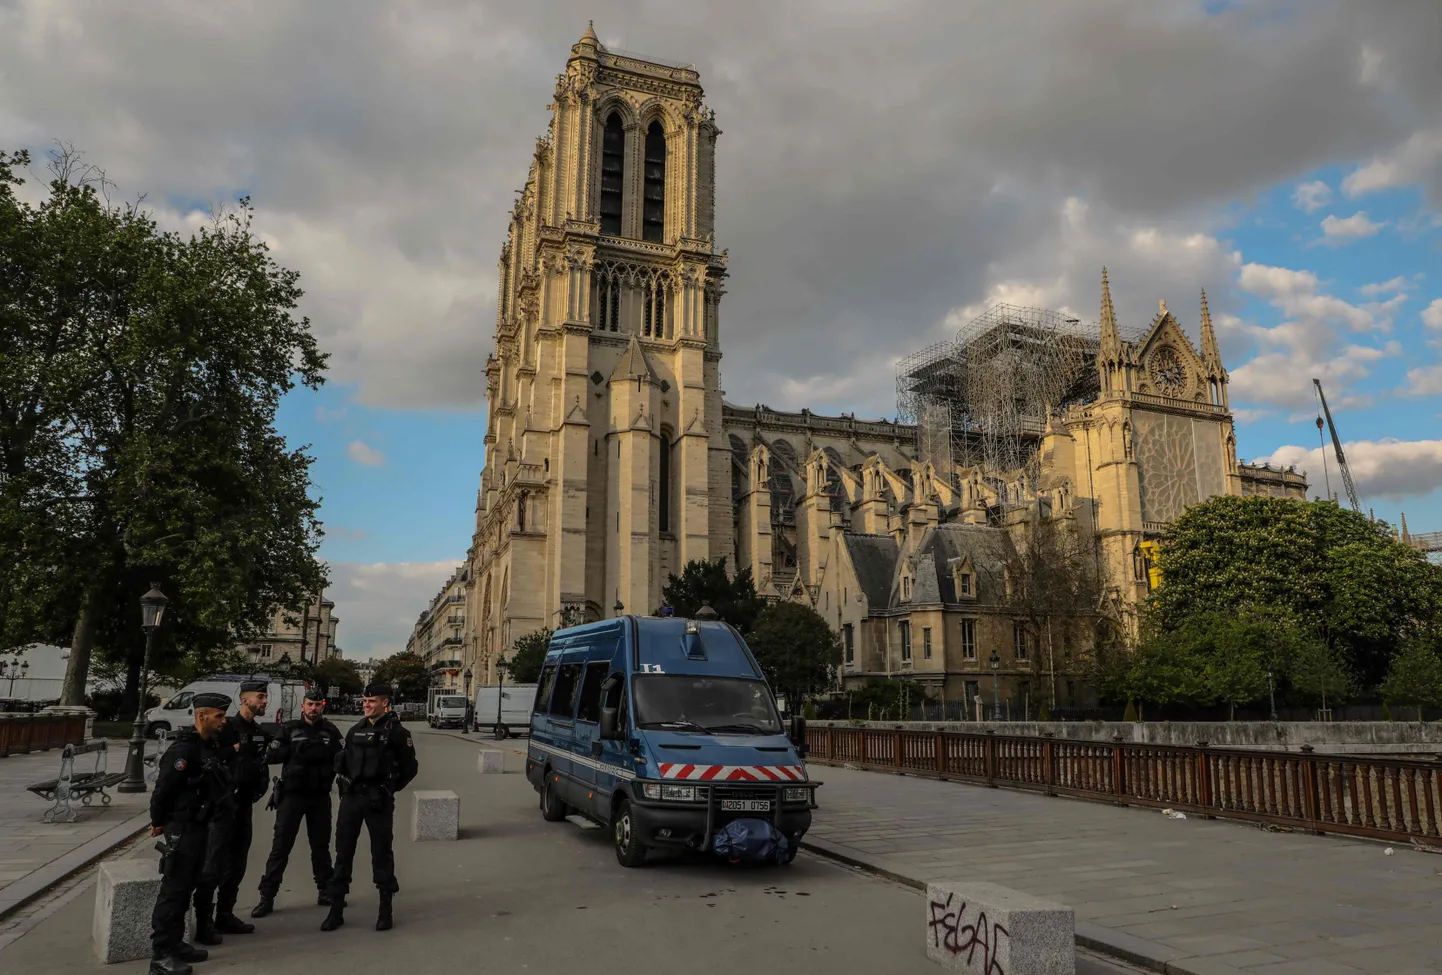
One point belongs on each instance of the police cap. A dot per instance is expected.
(314, 694)
(253, 686)
(210, 700)
(378, 689)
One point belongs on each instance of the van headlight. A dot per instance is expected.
(669, 793)
(797, 794)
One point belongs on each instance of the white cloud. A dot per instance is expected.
(1355, 227)
(1424, 381)
(1297, 294)
(378, 602)
(323, 415)
(1432, 315)
(1312, 196)
(1383, 468)
(362, 453)
(1383, 287)
(1415, 161)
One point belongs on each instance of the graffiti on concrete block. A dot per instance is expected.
(974, 937)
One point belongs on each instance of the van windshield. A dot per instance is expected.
(450, 702)
(723, 705)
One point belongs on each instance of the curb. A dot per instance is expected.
(23, 891)
(1104, 941)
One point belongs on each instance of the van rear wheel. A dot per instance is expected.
(553, 810)
(630, 852)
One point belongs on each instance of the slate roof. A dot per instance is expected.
(988, 550)
(874, 559)
(634, 364)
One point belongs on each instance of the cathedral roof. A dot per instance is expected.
(986, 549)
(634, 364)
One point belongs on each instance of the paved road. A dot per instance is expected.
(1212, 897)
(517, 894)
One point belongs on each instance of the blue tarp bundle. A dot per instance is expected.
(751, 839)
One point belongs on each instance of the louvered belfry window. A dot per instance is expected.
(653, 217)
(613, 175)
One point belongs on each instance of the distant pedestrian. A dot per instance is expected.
(378, 761)
(192, 786)
(245, 744)
(305, 749)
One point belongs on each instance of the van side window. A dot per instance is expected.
(543, 689)
(180, 702)
(568, 683)
(590, 709)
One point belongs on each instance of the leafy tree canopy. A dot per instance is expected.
(796, 648)
(705, 583)
(406, 673)
(528, 653)
(1415, 677)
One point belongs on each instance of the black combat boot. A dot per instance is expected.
(189, 953)
(169, 965)
(322, 896)
(383, 919)
(205, 932)
(266, 905)
(228, 923)
(335, 918)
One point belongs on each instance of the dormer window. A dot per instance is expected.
(963, 583)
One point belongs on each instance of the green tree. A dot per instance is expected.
(528, 653)
(406, 673)
(1333, 571)
(340, 674)
(705, 583)
(1415, 677)
(142, 373)
(1318, 672)
(796, 649)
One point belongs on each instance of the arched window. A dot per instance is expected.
(665, 481)
(613, 173)
(653, 216)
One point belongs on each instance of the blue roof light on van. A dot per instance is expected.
(691, 644)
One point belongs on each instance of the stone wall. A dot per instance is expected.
(1336, 737)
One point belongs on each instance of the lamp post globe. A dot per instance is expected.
(152, 612)
(995, 686)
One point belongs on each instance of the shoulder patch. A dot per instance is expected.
(180, 765)
(410, 741)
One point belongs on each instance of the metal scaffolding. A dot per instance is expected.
(993, 385)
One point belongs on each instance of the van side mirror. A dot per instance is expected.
(609, 719)
(797, 732)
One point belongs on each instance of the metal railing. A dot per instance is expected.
(1382, 798)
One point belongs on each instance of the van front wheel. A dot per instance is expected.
(553, 810)
(630, 852)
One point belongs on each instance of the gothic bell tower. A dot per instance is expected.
(605, 463)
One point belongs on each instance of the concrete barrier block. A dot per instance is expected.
(435, 816)
(125, 893)
(489, 760)
(986, 929)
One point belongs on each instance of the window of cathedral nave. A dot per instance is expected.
(613, 173)
(653, 215)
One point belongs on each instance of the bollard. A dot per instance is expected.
(435, 816)
(125, 893)
(489, 761)
(985, 929)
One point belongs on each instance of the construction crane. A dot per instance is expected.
(1337, 446)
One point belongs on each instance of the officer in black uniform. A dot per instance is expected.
(305, 750)
(378, 761)
(191, 786)
(245, 742)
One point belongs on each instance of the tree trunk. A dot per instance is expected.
(1051, 654)
(77, 668)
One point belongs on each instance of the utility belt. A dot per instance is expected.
(376, 793)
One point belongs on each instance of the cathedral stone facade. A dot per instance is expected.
(611, 460)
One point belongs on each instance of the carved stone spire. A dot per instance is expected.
(1111, 340)
(1211, 355)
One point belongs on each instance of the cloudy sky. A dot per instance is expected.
(886, 171)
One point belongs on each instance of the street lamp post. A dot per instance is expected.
(17, 669)
(466, 721)
(995, 686)
(500, 687)
(152, 610)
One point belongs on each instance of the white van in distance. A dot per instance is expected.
(177, 712)
(505, 709)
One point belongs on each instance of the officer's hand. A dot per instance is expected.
(156, 830)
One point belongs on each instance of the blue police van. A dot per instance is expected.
(665, 730)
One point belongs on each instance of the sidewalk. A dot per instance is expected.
(1199, 897)
(35, 854)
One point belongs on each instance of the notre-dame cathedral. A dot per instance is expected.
(611, 459)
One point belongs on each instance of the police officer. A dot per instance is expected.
(245, 743)
(305, 750)
(191, 782)
(378, 761)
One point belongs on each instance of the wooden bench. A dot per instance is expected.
(77, 785)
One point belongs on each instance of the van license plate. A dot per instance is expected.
(746, 805)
